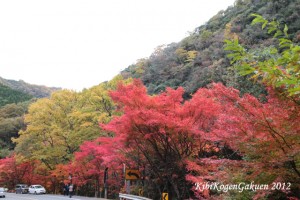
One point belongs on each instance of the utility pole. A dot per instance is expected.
(105, 182)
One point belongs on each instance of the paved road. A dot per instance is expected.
(13, 196)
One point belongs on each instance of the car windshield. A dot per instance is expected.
(38, 186)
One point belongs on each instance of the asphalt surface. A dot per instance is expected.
(13, 196)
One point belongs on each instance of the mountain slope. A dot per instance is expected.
(200, 59)
(30, 89)
(11, 121)
(9, 96)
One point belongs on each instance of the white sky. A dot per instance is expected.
(77, 44)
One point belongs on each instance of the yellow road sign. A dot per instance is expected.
(165, 196)
(132, 174)
(141, 192)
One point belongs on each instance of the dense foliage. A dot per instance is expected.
(8, 96)
(11, 122)
(199, 59)
(176, 141)
(15, 97)
(218, 136)
(277, 67)
(58, 125)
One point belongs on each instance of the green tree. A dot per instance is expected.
(11, 121)
(277, 67)
(8, 95)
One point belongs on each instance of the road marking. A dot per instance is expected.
(27, 198)
(62, 197)
(36, 198)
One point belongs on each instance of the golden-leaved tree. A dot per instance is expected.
(58, 125)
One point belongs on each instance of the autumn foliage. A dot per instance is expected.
(13, 172)
(217, 136)
(90, 163)
(179, 140)
(263, 139)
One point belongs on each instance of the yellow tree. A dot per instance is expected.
(58, 125)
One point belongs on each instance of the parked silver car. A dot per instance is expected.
(21, 189)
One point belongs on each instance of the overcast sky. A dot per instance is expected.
(78, 44)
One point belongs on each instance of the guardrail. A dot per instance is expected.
(131, 197)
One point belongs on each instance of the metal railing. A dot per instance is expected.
(131, 197)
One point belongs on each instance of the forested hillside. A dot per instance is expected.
(15, 97)
(37, 91)
(11, 122)
(200, 58)
(13, 106)
(8, 96)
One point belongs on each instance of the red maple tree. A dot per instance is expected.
(88, 167)
(13, 172)
(265, 135)
(210, 137)
(161, 132)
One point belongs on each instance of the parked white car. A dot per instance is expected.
(2, 192)
(37, 189)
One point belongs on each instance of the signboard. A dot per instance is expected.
(132, 174)
(165, 196)
(141, 192)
